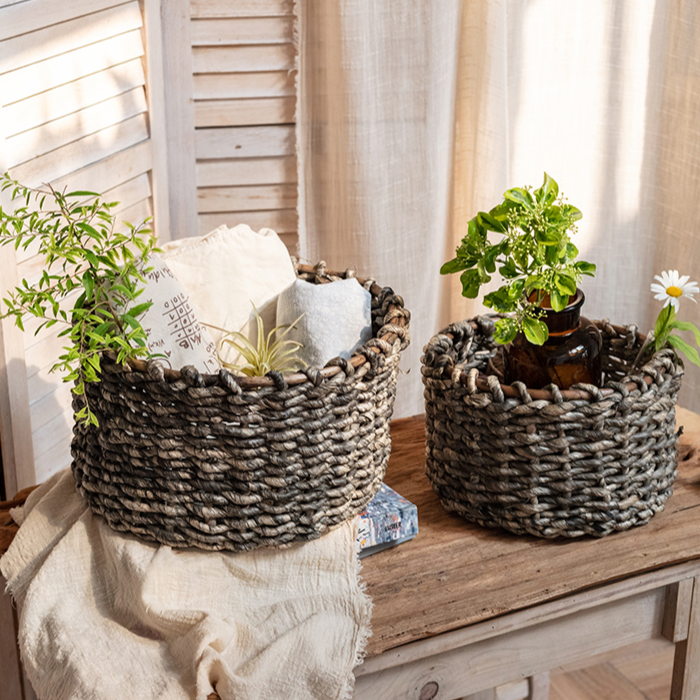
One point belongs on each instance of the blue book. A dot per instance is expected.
(388, 520)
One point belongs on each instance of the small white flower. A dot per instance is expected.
(673, 287)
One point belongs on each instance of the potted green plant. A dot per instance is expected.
(549, 341)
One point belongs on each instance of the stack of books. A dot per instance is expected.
(388, 520)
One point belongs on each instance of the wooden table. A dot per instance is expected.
(461, 609)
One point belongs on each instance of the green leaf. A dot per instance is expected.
(548, 192)
(666, 315)
(88, 283)
(685, 326)
(456, 265)
(585, 268)
(492, 252)
(140, 308)
(571, 212)
(508, 270)
(505, 331)
(551, 255)
(534, 282)
(565, 284)
(475, 233)
(519, 196)
(548, 237)
(489, 222)
(91, 258)
(484, 277)
(471, 282)
(688, 350)
(572, 252)
(500, 301)
(535, 331)
(516, 289)
(501, 211)
(82, 193)
(559, 301)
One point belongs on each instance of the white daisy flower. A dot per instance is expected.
(672, 287)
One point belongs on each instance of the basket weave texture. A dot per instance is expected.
(586, 461)
(222, 462)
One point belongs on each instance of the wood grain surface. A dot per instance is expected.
(455, 574)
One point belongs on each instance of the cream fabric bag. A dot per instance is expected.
(106, 616)
(226, 270)
(172, 323)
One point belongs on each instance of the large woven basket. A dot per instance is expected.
(585, 461)
(223, 462)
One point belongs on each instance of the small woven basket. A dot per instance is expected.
(222, 462)
(550, 463)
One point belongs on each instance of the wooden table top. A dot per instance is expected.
(455, 573)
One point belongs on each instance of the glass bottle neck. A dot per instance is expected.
(565, 321)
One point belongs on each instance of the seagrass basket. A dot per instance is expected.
(222, 462)
(550, 463)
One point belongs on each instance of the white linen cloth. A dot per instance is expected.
(106, 616)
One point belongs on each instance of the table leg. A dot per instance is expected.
(539, 686)
(11, 684)
(686, 666)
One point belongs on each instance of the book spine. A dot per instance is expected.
(387, 527)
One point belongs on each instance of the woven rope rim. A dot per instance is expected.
(491, 384)
(384, 342)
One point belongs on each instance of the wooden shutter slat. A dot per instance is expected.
(268, 110)
(241, 8)
(45, 90)
(61, 132)
(223, 199)
(241, 31)
(228, 59)
(245, 142)
(251, 171)
(66, 37)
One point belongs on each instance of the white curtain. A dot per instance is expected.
(414, 115)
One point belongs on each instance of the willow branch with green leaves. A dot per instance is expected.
(85, 258)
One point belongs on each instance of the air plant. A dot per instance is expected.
(268, 355)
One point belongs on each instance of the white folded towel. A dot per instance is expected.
(336, 318)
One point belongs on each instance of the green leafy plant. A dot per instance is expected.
(88, 263)
(535, 257)
(268, 355)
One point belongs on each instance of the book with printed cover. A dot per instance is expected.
(388, 520)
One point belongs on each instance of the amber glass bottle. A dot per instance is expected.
(571, 354)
